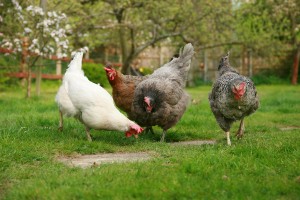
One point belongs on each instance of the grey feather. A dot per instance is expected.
(224, 106)
(166, 87)
(178, 68)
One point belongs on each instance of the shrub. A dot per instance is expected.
(269, 79)
(200, 81)
(145, 70)
(8, 64)
(95, 73)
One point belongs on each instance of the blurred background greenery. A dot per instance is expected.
(262, 36)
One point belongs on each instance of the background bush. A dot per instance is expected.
(269, 78)
(145, 70)
(95, 73)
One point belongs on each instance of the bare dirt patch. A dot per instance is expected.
(85, 161)
(288, 128)
(195, 142)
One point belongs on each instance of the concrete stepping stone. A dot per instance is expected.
(85, 161)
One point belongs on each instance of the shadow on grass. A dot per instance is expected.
(118, 138)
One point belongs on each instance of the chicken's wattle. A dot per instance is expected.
(239, 91)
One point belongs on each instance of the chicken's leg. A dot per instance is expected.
(240, 132)
(149, 128)
(87, 130)
(162, 139)
(228, 138)
(61, 121)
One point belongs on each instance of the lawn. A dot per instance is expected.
(265, 164)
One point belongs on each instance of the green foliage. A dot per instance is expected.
(95, 73)
(7, 83)
(3, 79)
(268, 79)
(267, 27)
(145, 70)
(8, 64)
(262, 165)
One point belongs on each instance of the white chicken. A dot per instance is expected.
(90, 103)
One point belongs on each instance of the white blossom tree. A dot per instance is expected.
(44, 31)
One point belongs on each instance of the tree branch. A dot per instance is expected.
(219, 45)
(153, 41)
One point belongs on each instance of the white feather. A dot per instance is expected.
(87, 101)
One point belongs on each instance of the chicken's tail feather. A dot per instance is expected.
(186, 54)
(224, 61)
(183, 62)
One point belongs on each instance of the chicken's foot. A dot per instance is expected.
(241, 130)
(61, 121)
(87, 130)
(162, 139)
(228, 138)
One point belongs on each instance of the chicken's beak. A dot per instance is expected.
(148, 109)
(110, 72)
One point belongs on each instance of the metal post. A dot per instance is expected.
(205, 66)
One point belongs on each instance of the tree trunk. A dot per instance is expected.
(25, 44)
(122, 33)
(295, 66)
(125, 65)
(294, 41)
(38, 79)
(43, 5)
(58, 62)
(28, 94)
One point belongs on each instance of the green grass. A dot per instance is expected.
(265, 164)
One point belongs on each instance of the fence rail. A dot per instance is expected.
(25, 75)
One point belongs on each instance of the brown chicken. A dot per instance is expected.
(123, 88)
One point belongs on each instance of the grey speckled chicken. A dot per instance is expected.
(233, 97)
(160, 99)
